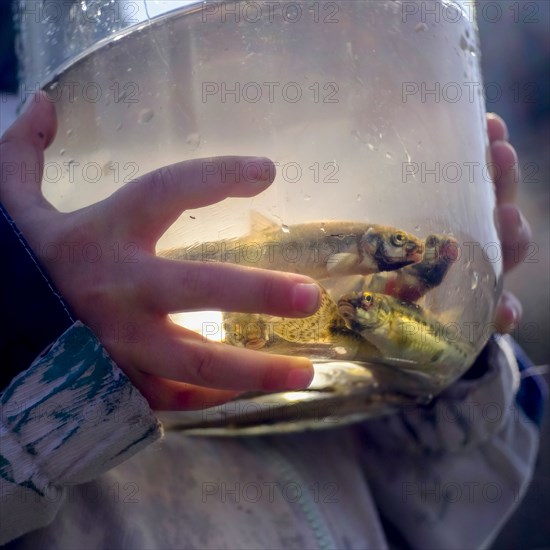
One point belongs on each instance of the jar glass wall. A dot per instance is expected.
(374, 116)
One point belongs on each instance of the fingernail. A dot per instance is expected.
(260, 169)
(299, 379)
(512, 311)
(306, 298)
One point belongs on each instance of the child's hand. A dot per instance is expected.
(514, 230)
(173, 367)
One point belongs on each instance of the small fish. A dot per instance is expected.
(414, 281)
(404, 332)
(316, 249)
(323, 334)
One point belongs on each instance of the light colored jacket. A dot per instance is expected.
(446, 475)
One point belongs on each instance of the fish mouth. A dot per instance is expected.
(347, 307)
(441, 249)
(449, 250)
(415, 253)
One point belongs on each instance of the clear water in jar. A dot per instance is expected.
(341, 110)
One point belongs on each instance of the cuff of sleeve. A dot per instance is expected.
(466, 414)
(71, 416)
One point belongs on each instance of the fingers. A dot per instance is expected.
(508, 313)
(152, 203)
(181, 355)
(169, 395)
(169, 286)
(22, 153)
(515, 235)
(506, 172)
(496, 128)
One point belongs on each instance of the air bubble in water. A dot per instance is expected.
(146, 115)
(421, 27)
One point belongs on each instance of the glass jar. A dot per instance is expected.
(374, 116)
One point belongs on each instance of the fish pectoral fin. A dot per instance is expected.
(342, 262)
(260, 224)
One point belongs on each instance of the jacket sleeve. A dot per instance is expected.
(65, 420)
(32, 311)
(450, 474)
(67, 413)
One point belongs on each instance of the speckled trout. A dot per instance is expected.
(323, 334)
(316, 249)
(404, 332)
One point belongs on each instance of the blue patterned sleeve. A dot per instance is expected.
(72, 415)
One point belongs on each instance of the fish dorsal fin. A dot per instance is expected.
(260, 224)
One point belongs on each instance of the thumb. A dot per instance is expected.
(22, 153)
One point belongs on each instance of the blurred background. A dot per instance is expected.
(515, 54)
(515, 46)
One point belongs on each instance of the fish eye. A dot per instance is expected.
(398, 239)
(431, 241)
(367, 298)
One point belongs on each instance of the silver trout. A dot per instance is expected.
(315, 249)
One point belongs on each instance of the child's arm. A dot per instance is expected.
(74, 414)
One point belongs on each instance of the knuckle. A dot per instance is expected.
(269, 294)
(205, 367)
(197, 284)
(163, 180)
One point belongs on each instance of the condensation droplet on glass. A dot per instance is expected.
(463, 42)
(69, 132)
(370, 146)
(118, 126)
(285, 228)
(358, 197)
(421, 27)
(475, 280)
(193, 140)
(62, 152)
(146, 115)
(388, 156)
(417, 228)
(307, 197)
(129, 70)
